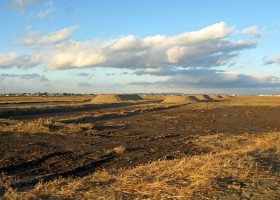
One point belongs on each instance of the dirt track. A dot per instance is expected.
(147, 135)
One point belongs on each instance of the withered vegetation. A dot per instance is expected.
(237, 167)
(216, 150)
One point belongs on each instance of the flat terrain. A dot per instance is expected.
(72, 149)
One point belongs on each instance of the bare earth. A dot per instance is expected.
(72, 149)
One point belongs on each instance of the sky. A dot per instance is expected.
(125, 46)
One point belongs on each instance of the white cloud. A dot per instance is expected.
(187, 60)
(49, 8)
(208, 47)
(152, 70)
(33, 39)
(12, 59)
(214, 32)
(58, 36)
(30, 40)
(272, 60)
(73, 54)
(21, 5)
(252, 30)
(8, 59)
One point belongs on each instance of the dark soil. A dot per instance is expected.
(146, 136)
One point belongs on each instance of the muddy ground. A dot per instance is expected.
(145, 132)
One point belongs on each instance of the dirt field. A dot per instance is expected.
(227, 149)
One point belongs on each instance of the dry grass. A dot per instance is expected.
(68, 125)
(43, 126)
(235, 168)
(5, 180)
(44, 99)
(255, 100)
(178, 99)
(119, 150)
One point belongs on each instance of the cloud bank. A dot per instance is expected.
(33, 76)
(208, 47)
(210, 78)
(13, 59)
(190, 59)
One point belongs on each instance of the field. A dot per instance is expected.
(71, 148)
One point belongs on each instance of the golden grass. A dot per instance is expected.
(178, 99)
(43, 126)
(232, 169)
(119, 149)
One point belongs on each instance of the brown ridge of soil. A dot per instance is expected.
(179, 99)
(111, 98)
(11, 112)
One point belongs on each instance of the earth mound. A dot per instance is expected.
(154, 97)
(202, 98)
(130, 97)
(217, 97)
(114, 98)
(178, 99)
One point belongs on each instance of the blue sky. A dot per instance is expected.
(118, 46)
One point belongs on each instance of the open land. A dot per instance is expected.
(195, 147)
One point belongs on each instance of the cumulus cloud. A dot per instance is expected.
(8, 59)
(272, 60)
(32, 38)
(48, 8)
(58, 36)
(33, 76)
(208, 47)
(12, 59)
